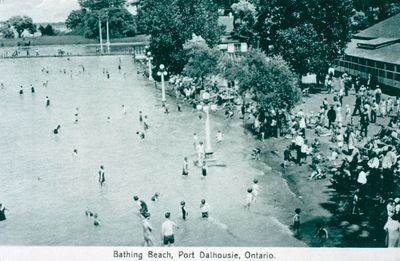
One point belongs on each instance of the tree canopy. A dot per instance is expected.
(85, 20)
(48, 30)
(101, 4)
(202, 61)
(22, 23)
(276, 23)
(171, 23)
(268, 80)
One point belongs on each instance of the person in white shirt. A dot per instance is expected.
(299, 141)
(147, 229)
(249, 198)
(204, 208)
(195, 141)
(255, 189)
(219, 136)
(200, 152)
(167, 231)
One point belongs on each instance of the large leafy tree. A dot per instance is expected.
(203, 60)
(268, 80)
(22, 23)
(302, 47)
(7, 31)
(327, 19)
(85, 21)
(101, 4)
(245, 16)
(47, 30)
(171, 23)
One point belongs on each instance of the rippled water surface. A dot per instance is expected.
(47, 189)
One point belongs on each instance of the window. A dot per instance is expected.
(381, 73)
(380, 65)
(389, 75)
(397, 77)
(397, 68)
(347, 58)
(361, 61)
(237, 48)
(355, 67)
(371, 63)
(361, 68)
(354, 59)
(390, 67)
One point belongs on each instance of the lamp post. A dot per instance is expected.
(162, 72)
(206, 106)
(101, 37)
(108, 38)
(149, 58)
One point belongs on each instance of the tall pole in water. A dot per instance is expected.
(108, 39)
(101, 37)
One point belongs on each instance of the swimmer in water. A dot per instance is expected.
(57, 130)
(47, 101)
(21, 90)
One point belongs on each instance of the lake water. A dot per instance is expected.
(46, 188)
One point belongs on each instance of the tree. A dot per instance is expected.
(203, 60)
(302, 48)
(7, 31)
(268, 80)
(85, 21)
(330, 20)
(171, 23)
(21, 23)
(101, 4)
(48, 30)
(76, 20)
(245, 16)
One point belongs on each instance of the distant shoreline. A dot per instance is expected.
(63, 40)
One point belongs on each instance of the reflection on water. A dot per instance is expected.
(47, 188)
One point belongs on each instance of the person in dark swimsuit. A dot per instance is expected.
(57, 130)
(2, 212)
(102, 178)
(184, 211)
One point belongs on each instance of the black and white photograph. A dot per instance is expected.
(200, 124)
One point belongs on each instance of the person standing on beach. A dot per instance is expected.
(21, 90)
(296, 222)
(47, 101)
(167, 231)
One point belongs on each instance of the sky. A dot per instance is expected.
(40, 10)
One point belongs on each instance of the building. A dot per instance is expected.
(227, 44)
(375, 51)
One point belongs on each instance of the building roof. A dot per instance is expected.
(389, 54)
(389, 28)
(227, 21)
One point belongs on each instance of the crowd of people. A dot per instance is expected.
(362, 165)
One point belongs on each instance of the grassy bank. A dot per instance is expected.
(63, 40)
